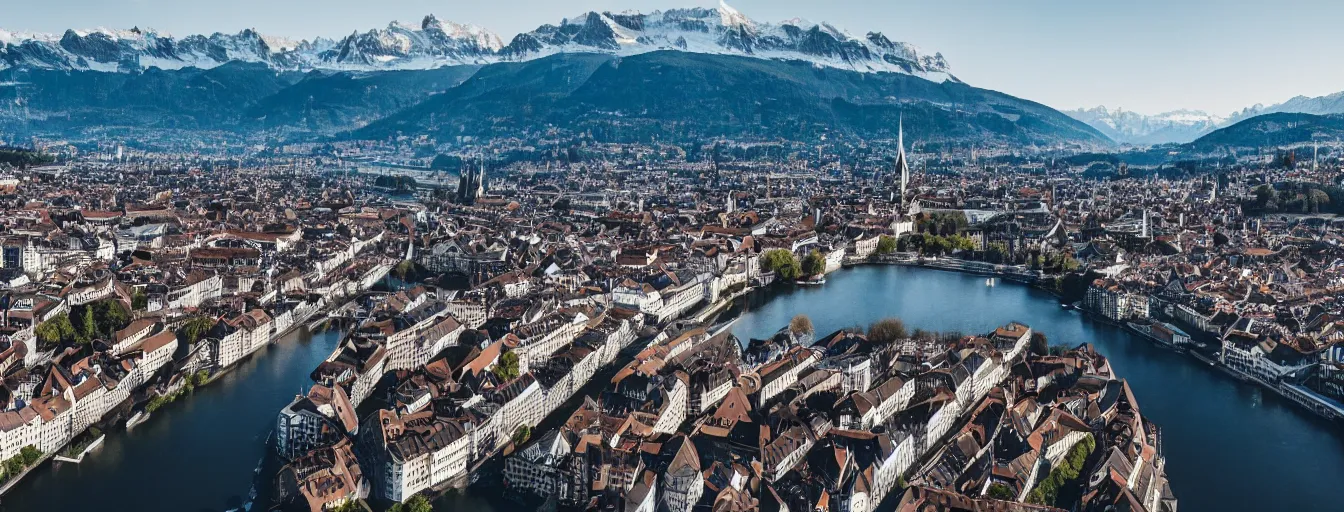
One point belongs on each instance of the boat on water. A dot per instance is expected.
(815, 281)
(990, 282)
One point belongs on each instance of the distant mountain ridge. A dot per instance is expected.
(1134, 128)
(1274, 129)
(1182, 126)
(436, 43)
(670, 95)
(1319, 105)
(664, 95)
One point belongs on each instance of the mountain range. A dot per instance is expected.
(1183, 126)
(436, 43)
(674, 75)
(672, 95)
(1272, 129)
(1134, 128)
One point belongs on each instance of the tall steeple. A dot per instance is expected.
(902, 166)
(480, 181)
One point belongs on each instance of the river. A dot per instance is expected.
(197, 454)
(1230, 446)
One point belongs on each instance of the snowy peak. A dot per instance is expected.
(1320, 105)
(724, 30)
(402, 46)
(133, 49)
(1183, 126)
(1134, 128)
(434, 42)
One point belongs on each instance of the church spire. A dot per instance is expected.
(902, 166)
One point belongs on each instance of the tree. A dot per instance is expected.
(139, 301)
(14, 465)
(88, 328)
(1263, 193)
(404, 269)
(349, 506)
(417, 503)
(1039, 344)
(1068, 264)
(960, 242)
(56, 330)
(996, 253)
(814, 264)
(507, 369)
(521, 435)
(111, 316)
(1070, 469)
(801, 324)
(886, 244)
(782, 262)
(1001, 492)
(195, 329)
(887, 330)
(30, 455)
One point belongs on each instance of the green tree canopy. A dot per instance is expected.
(1001, 492)
(508, 368)
(886, 244)
(417, 503)
(996, 253)
(195, 329)
(521, 435)
(782, 262)
(814, 264)
(30, 454)
(110, 317)
(87, 329)
(56, 331)
(139, 301)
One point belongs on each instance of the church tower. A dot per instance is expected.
(902, 165)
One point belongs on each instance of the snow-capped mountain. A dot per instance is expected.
(724, 30)
(1183, 126)
(135, 49)
(1320, 105)
(436, 43)
(1127, 127)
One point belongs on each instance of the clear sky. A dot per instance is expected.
(1148, 56)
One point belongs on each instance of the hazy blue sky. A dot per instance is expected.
(1144, 55)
